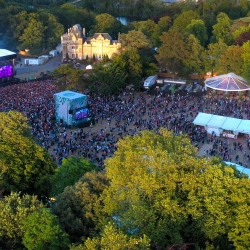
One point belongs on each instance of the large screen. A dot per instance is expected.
(5, 71)
(81, 114)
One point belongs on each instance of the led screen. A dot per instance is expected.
(83, 113)
(5, 71)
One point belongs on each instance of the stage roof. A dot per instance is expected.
(227, 82)
(7, 55)
(69, 95)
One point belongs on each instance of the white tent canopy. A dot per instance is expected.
(227, 82)
(202, 119)
(244, 127)
(217, 123)
(231, 123)
(89, 67)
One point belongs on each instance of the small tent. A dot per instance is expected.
(89, 67)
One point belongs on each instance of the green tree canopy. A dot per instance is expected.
(231, 61)
(246, 60)
(14, 209)
(221, 30)
(153, 191)
(194, 62)
(77, 207)
(33, 35)
(143, 195)
(198, 29)
(106, 23)
(162, 26)
(24, 166)
(171, 54)
(133, 65)
(114, 239)
(109, 78)
(42, 231)
(212, 55)
(134, 39)
(71, 170)
(69, 77)
(184, 19)
(146, 27)
(53, 29)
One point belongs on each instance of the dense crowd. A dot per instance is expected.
(120, 115)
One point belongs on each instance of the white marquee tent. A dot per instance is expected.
(216, 124)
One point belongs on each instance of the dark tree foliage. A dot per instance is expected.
(244, 37)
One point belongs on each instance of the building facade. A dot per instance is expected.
(77, 46)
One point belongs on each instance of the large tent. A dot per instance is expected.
(218, 124)
(227, 82)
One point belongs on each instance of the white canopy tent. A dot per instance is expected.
(231, 123)
(202, 119)
(227, 82)
(215, 124)
(89, 67)
(244, 127)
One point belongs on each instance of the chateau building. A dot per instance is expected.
(77, 46)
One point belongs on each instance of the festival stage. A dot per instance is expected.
(7, 67)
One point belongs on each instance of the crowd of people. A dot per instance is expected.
(125, 114)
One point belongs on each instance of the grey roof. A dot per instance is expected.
(104, 35)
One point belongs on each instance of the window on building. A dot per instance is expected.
(73, 56)
(73, 47)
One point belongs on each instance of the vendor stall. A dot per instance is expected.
(229, 127)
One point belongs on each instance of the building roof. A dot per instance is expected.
(227, 82)
(104, 35)
(6, 55)
(69, 95)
